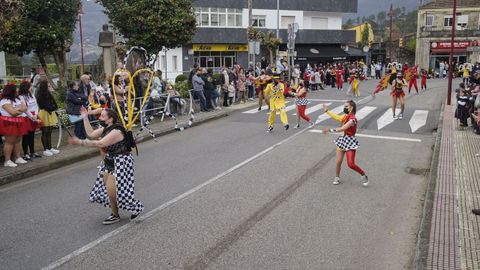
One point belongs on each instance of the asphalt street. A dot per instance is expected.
(228, 195)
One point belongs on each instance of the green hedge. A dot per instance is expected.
(181, 78)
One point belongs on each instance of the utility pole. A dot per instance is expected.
(278, 33)
(250, 24)
(82, 67)
(450, 64)
(390, 14)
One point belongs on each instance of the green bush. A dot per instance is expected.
(182, 88)
(181, 78)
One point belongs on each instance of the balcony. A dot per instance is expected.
(442, 33)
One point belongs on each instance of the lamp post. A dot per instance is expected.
(452, 43)
(390, 14)
(81, 38)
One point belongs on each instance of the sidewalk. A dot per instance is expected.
(70, 154)
(453, 236)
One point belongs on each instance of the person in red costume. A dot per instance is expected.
(348, 143)
(339, 74)
(423, 83)
(413, 80)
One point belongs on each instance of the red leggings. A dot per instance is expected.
(301, 112)
(339, 82)
(414, 83)
(351, 162)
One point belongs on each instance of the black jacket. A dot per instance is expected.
(75, 100)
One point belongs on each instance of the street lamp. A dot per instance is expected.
(80, 13)
(452, 43)
(390, 14)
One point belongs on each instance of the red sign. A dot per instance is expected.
(444, 47)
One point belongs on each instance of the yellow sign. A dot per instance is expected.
(220, 48)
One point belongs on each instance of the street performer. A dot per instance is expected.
(261, 83)
(398, 94)
(114, 186)
(348, 143)
(275, 93)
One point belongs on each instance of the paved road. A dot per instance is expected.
(228, 195)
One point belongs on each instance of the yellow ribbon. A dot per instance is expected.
(131, 116)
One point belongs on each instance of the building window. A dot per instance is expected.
(259, 20)
(447, 21)
(462, 22)
(215, 60)
(286, 20)
(218, 17)
(174, 63)
(428, 22)
(319, 23)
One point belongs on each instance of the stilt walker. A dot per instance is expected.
(348, 143)
(275, 93)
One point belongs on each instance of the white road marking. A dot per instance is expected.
(386, 119)
(377, 137)
(327, 100)
(264, 107)
(362, 113)
(418, 120)
(149, 214)
(315, 108)
(287, 109)
(325, 116)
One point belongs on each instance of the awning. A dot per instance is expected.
(307, 51)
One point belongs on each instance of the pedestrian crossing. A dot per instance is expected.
(378, 118)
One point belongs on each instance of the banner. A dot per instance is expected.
(220, 48)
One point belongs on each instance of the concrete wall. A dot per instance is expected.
(3, 66)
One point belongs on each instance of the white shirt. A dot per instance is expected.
(15, 104)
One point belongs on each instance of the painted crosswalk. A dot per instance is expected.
(374, 117)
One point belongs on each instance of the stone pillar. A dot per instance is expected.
(106, 41)
(3, 66)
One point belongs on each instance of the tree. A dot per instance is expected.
(11, 13)
(152, 25)
(44, 27)
(365, 35)
(381, 17)
(270, 41)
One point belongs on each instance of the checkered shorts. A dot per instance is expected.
(347, 143)
(124, 181)
(301, 101)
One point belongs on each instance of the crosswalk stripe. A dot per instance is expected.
(376, 136)
(364, 112)
(418, 120)
(386, 119)
(315, 108)
(287, 109)
(325, 116)
(264, 107)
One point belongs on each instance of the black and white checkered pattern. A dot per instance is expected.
(347, 143)
(301, 101)
(124, 169)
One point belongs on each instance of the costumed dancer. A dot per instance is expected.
(348, 143)
(301, 101)
(352, 72)
(13, 124)
(355, 86)
(261, 83)
(275, 93)
(339, 75)
(423, 83)
(413, 79)
(398, 94)
(114, 186)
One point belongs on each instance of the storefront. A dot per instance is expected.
(215, 56)
(440, 52)
(318, 54)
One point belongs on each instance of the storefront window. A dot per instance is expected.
(215, 60)
(259, 20)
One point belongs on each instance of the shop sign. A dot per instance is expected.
(220, 48)
(447, 45)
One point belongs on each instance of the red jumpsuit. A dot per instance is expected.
(339, 75)
(424, 80)
(413, 81)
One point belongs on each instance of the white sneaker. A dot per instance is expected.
(20, 161)
(47, 153)
(336, 181)
(54, 151)
(311, 124)
(364, 179)
(400, 116)
(10, 164)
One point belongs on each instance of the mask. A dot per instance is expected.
(345, 110)
(102, 123)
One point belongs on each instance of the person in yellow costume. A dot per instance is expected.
(274, 92)
(355, 84)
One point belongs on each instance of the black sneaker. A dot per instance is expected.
(134, 216)
(111, 219)
(287, 126)
(270, 129)
(476, 211)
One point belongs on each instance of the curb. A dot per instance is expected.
(423, 236)
(10, 178)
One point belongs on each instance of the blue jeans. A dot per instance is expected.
(201, 97)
